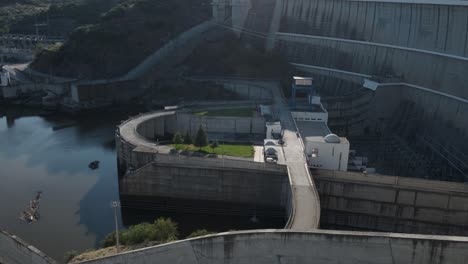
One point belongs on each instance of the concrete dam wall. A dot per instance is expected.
(424, 44)
(288, 247)
(235, 187)
(392, 204)
(419, 47)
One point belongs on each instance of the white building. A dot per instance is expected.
(330, 152)
(323, 149)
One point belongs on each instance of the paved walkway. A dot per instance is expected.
(306, 200)
(258, 156)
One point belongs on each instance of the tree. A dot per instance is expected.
(137, 234)
(214, 145)
(187, 139)
(201, 139)
(177, 139)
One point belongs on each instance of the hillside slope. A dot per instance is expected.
(124, 36)
(53, 17)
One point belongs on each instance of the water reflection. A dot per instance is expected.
(75, 211)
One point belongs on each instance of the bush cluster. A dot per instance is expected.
(162, 230)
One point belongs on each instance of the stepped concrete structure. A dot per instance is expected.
(412, 50)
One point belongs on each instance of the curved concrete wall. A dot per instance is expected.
(441, 73)
(15, 251)
(428, 26)
(279, 246)
(162, 126)
(141, 132)
(423, 44)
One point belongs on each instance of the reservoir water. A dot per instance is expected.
(51, 154)
(75, 211)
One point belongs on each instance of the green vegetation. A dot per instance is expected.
(241, 112)
(122, 37)
(200, 232)
(177, 139)
(162, 230)
(245, 151)
(201, 139)
(137, 236)
(19, 16)
(187, 139)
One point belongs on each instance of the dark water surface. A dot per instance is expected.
(75, 211)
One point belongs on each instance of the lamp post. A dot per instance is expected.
(115, 205)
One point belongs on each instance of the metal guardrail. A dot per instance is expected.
(403, 182)
(292, 210)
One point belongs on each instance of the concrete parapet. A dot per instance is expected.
(320, 246)
(15, 251)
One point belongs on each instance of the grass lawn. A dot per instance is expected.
(246, 151)
(242, 112)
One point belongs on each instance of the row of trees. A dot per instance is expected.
(200, 140)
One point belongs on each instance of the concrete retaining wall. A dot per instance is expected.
(251, 89)
(181, 180)
(279, 246)
(15, 251)
(247, 90)
(392, 204)
(220, 124)
(189, 123)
